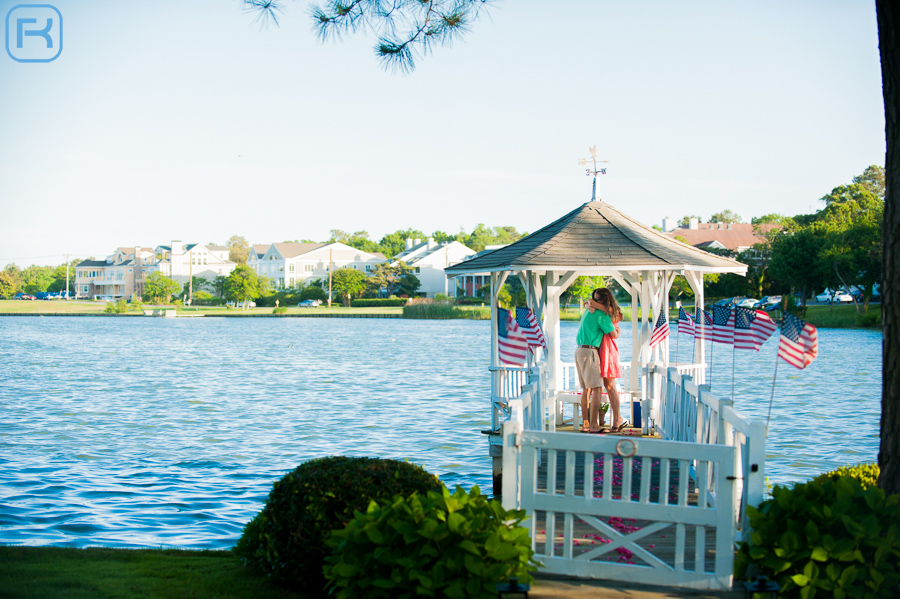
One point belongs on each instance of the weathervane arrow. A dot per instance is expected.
(595, 171)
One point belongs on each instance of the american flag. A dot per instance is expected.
(511, 340)
(702, 323)
(530, 327)
(661, 330)
(751, 328)
(799, 342)
(723, 325)
(685, 324)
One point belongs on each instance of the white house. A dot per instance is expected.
(287, 264)
(182, 261)
(429, 259)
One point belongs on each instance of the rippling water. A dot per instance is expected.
(158, 432)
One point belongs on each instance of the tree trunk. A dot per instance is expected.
(889, 45)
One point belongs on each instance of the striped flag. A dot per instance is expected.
(799, 342)
(512, 344)
(528, 323)
(752, 328)
(661, 330)
(723, 325)
(685, 324)
(703, 324)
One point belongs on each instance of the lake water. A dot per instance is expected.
(148, 432)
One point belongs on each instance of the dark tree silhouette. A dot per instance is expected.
(889, 45)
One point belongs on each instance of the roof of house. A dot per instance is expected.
(292, 250)
(420, 251)
(597, 236)
(260, 249)
(92, 263)
(218, 248)
(740, 235)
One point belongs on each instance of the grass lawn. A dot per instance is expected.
(100, 573)
(51, 307)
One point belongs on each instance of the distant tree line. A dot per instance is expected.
(838, 246)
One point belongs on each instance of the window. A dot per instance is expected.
(291, 267)
(417, 270)
(368, 268)
(309, 267)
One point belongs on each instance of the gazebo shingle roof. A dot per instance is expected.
(596, 235)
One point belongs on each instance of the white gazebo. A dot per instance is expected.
(597, 239)
(719, 454)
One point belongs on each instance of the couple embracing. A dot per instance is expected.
(597, 360)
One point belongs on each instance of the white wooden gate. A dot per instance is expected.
(624, 508)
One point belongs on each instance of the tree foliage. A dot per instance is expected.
(407, 29)
(348, 283)
(243, 285)
(726, 216)
(238, 249)
(158, 288)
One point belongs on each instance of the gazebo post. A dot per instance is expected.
(695, 280)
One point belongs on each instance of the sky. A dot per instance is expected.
(168, 120)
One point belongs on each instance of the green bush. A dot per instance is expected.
(439, 545)
(433, 311)
(828, 538)
(866, 474)
(287, 538)
(120, 307)
(870, 319)
(379, 302)
(795, 307)
(280, 310)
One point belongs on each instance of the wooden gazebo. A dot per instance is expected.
(597, 239)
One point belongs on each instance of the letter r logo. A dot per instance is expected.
(34, 33)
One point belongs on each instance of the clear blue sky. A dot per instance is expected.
(182, 120)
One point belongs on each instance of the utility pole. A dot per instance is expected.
(330, 268)
(67, 277)
(191, 279)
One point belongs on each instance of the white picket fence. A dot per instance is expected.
(674, 536)
(718, 454)
(690, 412)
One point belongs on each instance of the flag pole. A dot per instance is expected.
(772, 397)
(712, 348)
(733, 352)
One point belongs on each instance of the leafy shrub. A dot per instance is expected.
(441, 298)
(280, 310)
(870, 319)
(828, 538)
(379, 302)
(866, 474)
(439, 545)
(120, 307)
(287, 538)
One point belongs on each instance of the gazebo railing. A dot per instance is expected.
(690, 412)
(509, 383)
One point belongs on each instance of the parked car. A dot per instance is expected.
(728, 302)
(310, 303)
(231, 304)
(748, 303)
(769, 303)
(834, 297)
(27, 296)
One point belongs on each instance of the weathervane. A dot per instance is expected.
(596, 171)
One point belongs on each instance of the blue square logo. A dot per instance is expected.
(34, 33)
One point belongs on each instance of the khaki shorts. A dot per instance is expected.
(587, 365)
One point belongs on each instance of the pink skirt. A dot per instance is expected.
(609, 359)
